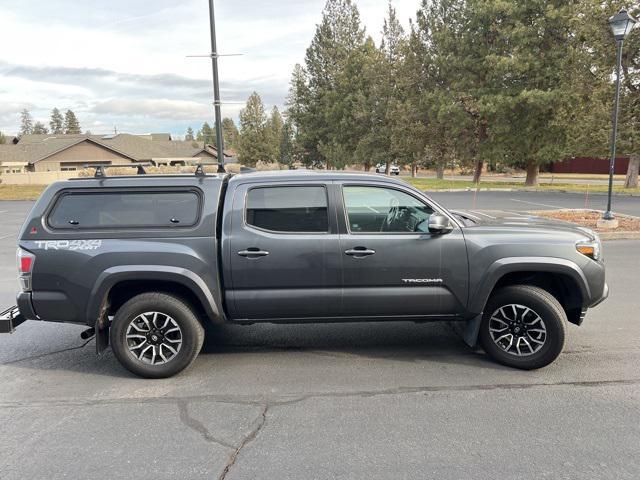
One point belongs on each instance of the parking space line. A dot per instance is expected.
(4, 211)
(534, 203)
(7, 236)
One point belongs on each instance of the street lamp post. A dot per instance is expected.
(621, 25)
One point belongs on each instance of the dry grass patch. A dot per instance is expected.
(21, 192)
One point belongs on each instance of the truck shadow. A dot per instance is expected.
(397, 341)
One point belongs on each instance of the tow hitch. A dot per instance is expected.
(10, 319)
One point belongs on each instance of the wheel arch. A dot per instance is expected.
(560, 277)
(118, 284)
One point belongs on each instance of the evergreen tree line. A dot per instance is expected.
(517, 84)
(262, 137)
(207, 134)
(58, 123)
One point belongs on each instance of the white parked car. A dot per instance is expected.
(381, 168)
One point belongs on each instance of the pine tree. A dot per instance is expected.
(253, 145)
(369, 106)
(56, 124)
(457, 37)
(381, 94)
(409, 118)
(287, 145)
(39, 129)
(230, 133)
(26, 122)
(3, 139)
(208, 135)
(322, 94)
(71, 124)
(297, 103)
(275, 124)
(536, 89)
(593, 79)
(189, 135)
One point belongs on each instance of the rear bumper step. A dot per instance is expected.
(10, 319)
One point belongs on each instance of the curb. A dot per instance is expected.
(619, 235)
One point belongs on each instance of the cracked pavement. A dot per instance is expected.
(357, 401)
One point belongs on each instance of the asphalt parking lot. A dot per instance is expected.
(528, 201)
(357, 401)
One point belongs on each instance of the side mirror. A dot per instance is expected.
(439, 224)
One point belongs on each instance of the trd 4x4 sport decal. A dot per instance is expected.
(69, 244)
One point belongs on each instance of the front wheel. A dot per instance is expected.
(156, 335)
(523, 327)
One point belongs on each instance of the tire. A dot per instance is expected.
(533, 310)
(177, 343)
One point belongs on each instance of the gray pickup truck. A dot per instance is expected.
(146, 261)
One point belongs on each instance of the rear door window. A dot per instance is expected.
(288, 209)
(85, 210)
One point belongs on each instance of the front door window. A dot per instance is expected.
(384, 210)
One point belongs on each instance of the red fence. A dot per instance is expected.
(590, 165)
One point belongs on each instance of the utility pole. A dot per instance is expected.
(216, 88)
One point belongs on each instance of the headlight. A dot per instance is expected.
(590, 248)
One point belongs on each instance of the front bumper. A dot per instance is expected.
(10, 319)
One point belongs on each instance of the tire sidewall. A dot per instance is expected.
(544, 305)
(192, 334)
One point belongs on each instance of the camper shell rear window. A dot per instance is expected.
(121, 209)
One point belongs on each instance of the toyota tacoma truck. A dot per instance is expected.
(147, 261)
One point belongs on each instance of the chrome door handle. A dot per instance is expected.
(252, 252)
(359, 252)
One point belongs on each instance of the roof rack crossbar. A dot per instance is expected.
(200, 168)
(101, 168)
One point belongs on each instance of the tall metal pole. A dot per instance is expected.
(216, 88)
(608, 215)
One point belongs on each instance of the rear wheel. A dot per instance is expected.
(156, 335)
(523, 327)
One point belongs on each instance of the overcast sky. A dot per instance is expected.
(123, 63)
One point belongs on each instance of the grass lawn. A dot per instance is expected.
(21, 192)
(447, 184)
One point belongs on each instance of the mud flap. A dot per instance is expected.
(102, 329)
(102, 340)
(469, 330)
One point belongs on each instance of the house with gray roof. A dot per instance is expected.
(50, 152)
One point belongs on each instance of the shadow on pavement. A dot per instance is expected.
(397, 341)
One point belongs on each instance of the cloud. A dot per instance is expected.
(161, 108)
(100, 79)
(126, 62)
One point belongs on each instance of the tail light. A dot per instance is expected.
(25, 261)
